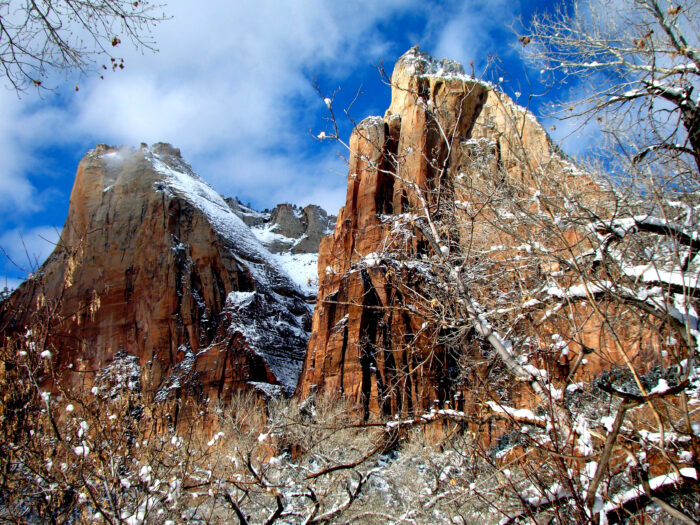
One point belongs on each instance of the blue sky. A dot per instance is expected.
(232, 87)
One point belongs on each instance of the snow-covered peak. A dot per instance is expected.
(176, 177)
(418, 63)
(180, 178)
(282, 245)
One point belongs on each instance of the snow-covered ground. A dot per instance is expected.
(266, 234)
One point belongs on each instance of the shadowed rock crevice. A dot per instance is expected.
(371, 317)
(441, 130)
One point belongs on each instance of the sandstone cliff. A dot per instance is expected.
(369, 341)
(153, 267)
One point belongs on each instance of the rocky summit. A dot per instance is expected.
(368, 343)
(156, 269)
(292, 234)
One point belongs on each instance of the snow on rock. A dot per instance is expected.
(121, 376)
(268, 389)
(240, 298)
(247, 214)
(186, 184)
(302, 268)
(274, 333)
(422, 64)
(292, 235)
(180, 376)
(291, 228)
(267, 235)
(269, 309)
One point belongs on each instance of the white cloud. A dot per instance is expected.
(229, 77)
(26, 178)
(18, 192)
(268, 177)
(576, 137)
(232, 88)
(226, 73)
(472, 31)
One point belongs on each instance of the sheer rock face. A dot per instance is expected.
(317, 224)
(153, 263)
(361, 337)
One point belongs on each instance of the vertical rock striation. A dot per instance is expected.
(152, 263)
(367, 342)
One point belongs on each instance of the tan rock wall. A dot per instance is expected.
(140, 269)
(440, 134)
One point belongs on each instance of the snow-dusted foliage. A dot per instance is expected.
(122, 375)
(92, 458)
(96, 458)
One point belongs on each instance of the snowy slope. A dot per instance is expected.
(301, 267)
(185, 183)
(274, 319)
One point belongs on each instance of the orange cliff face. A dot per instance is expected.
(369, 341)
(153, 264)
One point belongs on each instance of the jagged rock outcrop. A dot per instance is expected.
(153, 264)
(366, 343)
(288, 228)
(293, 235)
(247, 214)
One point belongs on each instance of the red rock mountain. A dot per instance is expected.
(154, 268)
(366, 341)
